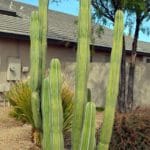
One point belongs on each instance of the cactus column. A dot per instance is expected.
(34, 71)
(113, 83)
(83, 59)
(43, 28)
(38, 38)
(89, 126)
(52, 110)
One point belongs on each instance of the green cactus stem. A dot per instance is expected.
(52, 109)
(46, 115)
(113, 83)
(34, 71)
(34, 51)
(43, 28)
(38, 36)
(89, 126)
(36, 110)
(82, 69)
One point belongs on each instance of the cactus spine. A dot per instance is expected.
(83, 59)
(88, 132)
(113, 83)
(52, 109)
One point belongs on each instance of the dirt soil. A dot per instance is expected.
(15, 135)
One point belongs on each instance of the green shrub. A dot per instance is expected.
(67, 103)
(19, 97)
(131, 131)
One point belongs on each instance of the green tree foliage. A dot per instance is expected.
(141, 10)
(137, 12)
(104, 11)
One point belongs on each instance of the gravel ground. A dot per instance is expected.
(13, 134)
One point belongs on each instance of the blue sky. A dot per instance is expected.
(72, 7)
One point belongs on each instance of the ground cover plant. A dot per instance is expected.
(131, 131)
(19, 97)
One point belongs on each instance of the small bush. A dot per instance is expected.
(19, 97)
(131, 131)
(67, 103)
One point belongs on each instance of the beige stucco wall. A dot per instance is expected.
(12, 48)
(64, 54)
(98, 77)
(98, 70)
(102, 56)
(8, 48)
(20, 49)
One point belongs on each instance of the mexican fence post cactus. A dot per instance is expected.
(43, 28)
(52, 109)
(35, 103)
(82, 68)
(38, 37)
(34, 70)
(89, 126)
(113, 83)
(34, 51)
(52, 114)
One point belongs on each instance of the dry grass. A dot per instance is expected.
(132, 130)
(14, 135)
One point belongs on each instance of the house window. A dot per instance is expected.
(146, 59)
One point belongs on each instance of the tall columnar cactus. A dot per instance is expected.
(34, 70)
(82, 68)
(52, 109)
(89, 126)
(113, 83)
(38, 36)
(46, 92)
(34, 51)
(43, 28)
(35, 103)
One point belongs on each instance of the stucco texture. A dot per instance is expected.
(97, 82)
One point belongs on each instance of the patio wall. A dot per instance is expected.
(98, 80)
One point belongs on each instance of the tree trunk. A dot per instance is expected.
(130, 94)
(122, 86)
(130, 87)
